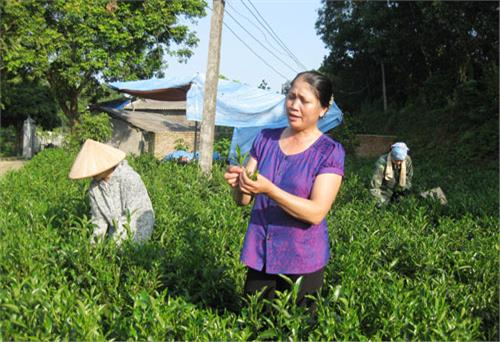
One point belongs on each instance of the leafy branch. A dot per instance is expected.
(241, 161)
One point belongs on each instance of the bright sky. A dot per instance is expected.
(292, 21)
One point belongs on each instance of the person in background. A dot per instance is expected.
(300, 171)
(119, 201)
(392, 176)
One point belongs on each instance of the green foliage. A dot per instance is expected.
(23, 98)
(181, 145)
(90, 126)
(345, 134)
(8, 138)
(416, 271)
(71, 44)
(475, 115)
(432, 46)
(452, 131)
(441, 71)
(242, 159)
(222, 145)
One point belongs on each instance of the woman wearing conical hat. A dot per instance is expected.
(119, 202)
(393, 175)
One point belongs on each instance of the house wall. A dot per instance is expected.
(373, 145)
(130, 139)
(133, 140)
(165, 142)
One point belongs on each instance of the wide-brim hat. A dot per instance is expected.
(95, 158)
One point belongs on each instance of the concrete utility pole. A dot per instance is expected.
(211, 80)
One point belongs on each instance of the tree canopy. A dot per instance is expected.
(72, 44)
(434, 55)
(418, 42)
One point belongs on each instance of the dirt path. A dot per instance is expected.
(7, 165)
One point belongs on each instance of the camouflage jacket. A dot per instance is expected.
(383, 189)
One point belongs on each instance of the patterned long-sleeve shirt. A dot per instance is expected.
(383, 189)
(121, 206)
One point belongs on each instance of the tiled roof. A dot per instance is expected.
(146, 104)
(152, 122)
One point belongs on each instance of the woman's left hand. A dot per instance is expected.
(254, 187)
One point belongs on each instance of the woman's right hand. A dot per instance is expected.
(232, 175)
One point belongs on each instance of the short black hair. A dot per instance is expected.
(320, 83)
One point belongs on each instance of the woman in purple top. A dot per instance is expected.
(300, 172)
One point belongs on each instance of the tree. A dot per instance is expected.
(27, 98)
(418, 43)
(437, 57)
(72, 44)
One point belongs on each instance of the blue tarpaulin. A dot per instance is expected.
(187, 156)
(247, 109)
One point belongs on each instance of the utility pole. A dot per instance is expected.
(211, 80)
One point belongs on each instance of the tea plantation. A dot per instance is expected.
(414, 271)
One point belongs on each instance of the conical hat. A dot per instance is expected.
(94, 158)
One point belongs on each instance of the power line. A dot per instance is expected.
(273, 34)
(269, 33)
(251, 50)
(257, 40)
(256, 55)
(257, 27)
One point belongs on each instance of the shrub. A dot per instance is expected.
(8, 137)
(222, 146)
(96, 127)
(344, 133)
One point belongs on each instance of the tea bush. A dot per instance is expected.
(414, 271)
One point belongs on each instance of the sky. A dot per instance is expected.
(292, 21)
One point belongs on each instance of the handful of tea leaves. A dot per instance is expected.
(241, 161)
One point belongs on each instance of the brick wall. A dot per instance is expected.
(374, 145)
(165, 142)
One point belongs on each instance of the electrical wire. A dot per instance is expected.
(273, 34)
(256, 54)
(259, 42)
(264, 34)
(251, 50)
